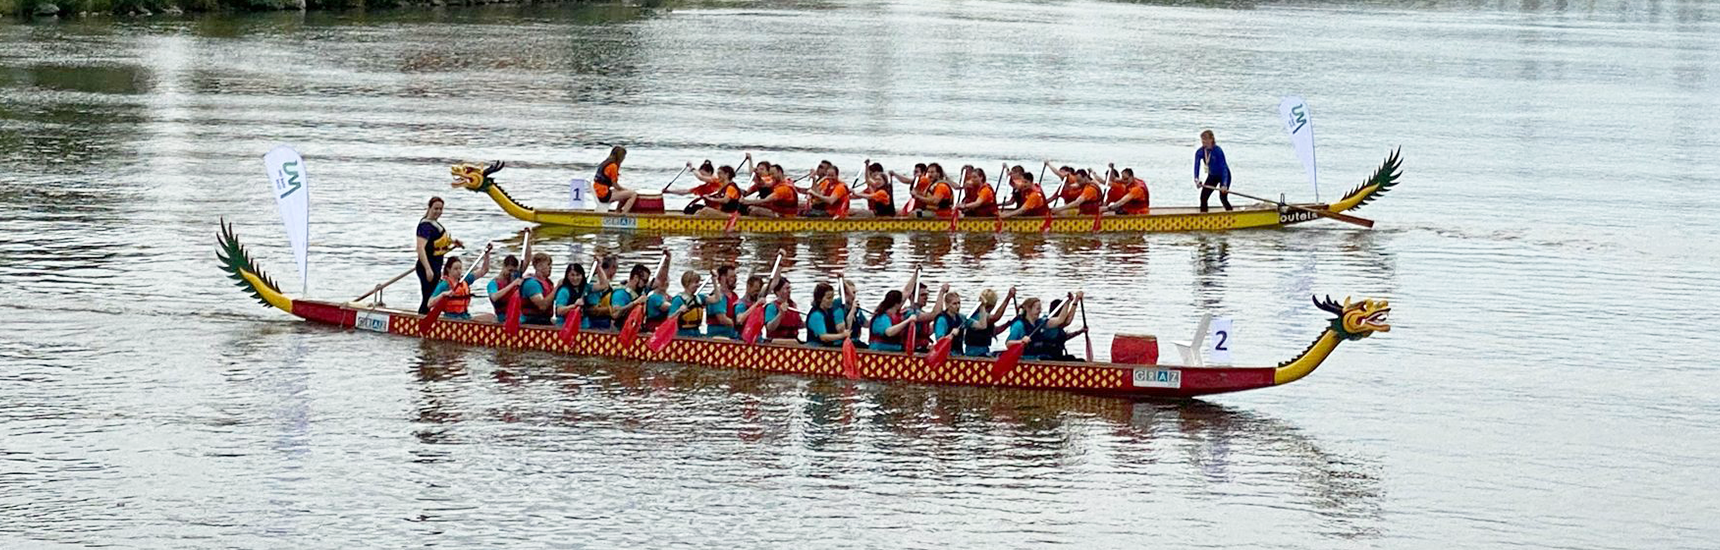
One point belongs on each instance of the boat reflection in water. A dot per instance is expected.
(954, 441)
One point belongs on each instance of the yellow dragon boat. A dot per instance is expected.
(1352, 321)
(1170, 219)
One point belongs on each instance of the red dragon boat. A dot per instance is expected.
(1353, 321)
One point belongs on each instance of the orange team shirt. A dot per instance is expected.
(1137, 200)
(783, 200)
(1091, 203)
(941, 196)
(987, 205)
(1033, 203)
(602, 189)
(1070, 189)
(878, 198)
(706, 188)
(839, 195)
(1116, 191)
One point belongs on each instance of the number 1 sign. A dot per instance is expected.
(1222, 337)
(578, 190)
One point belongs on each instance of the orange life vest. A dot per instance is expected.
(458, 299)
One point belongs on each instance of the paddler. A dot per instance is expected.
(630, 295)
(982, 201)
(538, 305)
(890, 325)
(829, 197)
(707, 176)
(925, 311)
(455, 287)
(720, 313)
(658, 304)
(1211, 156)
(782, 323)
(505, 282)
(434, 242)
(726, 200)
(1082, 195)
(1131, 195)
(607, 182)
(1052, 337)
(981, 326)
(598, 314)
(570, 293)
(827, 323)
(937, 199)
(880, 198)
(1029, 199)
(782, 201)
(1028, 325)
(917, 183)
(688, 307)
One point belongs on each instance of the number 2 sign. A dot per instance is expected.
(1223, 337)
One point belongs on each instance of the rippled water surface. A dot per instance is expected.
(1550, 381)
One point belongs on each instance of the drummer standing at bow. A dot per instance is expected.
(1217, 171)
(432, 245)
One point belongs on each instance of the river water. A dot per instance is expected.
(1549, 383)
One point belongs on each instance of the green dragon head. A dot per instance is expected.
(1357, 320)
(473, 176)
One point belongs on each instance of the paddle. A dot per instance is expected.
(850, 356)
(1086, 330)
(511, 325)
(1011, 356)
(666, 186)
(956, 213)
(636, 317)
(379, 288)
(1346, 218)
(570, 324)
(435, 313)
(666, 332)
(755, 312)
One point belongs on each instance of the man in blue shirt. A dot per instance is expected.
(1217, 171)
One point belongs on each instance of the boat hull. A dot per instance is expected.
(1162, 221)
(1105, 379)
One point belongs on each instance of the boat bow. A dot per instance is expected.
(1354, 321)
(477, 179)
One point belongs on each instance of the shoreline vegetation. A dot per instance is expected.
(50, 9)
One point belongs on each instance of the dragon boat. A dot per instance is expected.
(477, 178)
(1352, 321)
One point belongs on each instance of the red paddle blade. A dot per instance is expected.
(940, 351)
(630, 329)
(512, 324)
(429, 319)
(734, 217)
(850, 360)
(1045, 227)
(754, 325)
(664, 334)
(1007, 361)
(999, 228)
(571, 329)
(908, 344)
(1096, 222)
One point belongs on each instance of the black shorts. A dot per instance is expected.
(1214, 181)
(733, 207)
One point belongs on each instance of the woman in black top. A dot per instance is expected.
(433, 243)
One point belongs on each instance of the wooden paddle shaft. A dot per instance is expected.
(1327, 213)
(385, 284)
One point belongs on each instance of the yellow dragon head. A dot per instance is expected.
(474, 177)
(1357, 320)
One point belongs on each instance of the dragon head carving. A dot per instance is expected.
(473, 176)
(1357, 320)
